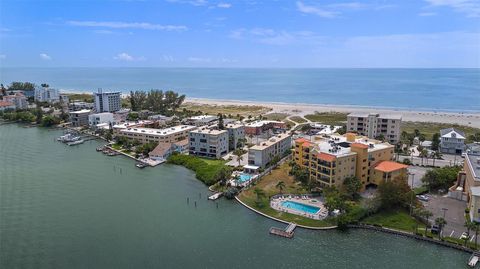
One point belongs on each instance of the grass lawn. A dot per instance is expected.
(213, 161)
(330, 118)
(298, 119)
(85, 97)
(276, 116)
(396, 219)
(429, 128)
(232, 110)
(268, 185)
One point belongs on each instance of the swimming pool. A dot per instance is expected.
(244, 178)
(301, 207)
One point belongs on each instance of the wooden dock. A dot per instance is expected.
(288, 232)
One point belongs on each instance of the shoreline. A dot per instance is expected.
(471, 119)
(466, 118)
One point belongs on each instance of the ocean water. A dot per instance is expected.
(421, 89)
(73, 207)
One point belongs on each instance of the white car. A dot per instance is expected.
(422, 197)
(464, 236)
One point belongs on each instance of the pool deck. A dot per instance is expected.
(276, 203)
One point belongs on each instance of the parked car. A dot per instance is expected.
(423, 197)
(465, 236)
(435, 229)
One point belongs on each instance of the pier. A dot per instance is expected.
(288, 232)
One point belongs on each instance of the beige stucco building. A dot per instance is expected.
(373, 125)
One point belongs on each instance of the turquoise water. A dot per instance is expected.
(72, 207)
(244, 177)
(437, 89)
(300, 207)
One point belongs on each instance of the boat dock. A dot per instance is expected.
(473, 260)
(288, 232)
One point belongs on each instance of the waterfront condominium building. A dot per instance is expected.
(45, 94)
(331, 159)
(100, 118)
(262, 154)
(236, 134)
(80, 117)
(375, 125)
(107, 101)
(167, 135)
(208, 142)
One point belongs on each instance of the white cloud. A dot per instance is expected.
(276, 37)
(125, 25)
(224, 5)
(168, 58)
(315, 10)
(127, 58)
(471, 8)
(199, 60)
(45, 57)
(191, 2)
(3, 56)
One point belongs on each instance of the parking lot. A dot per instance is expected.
(454, 214)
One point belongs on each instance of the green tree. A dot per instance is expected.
(470, 227)
(393, 193)
(440, 222)
(138, 100)
(239, 154)
(280, 185)
(441, 178)
(21, 86)
(475, 137)
(424, 154)
(333, 199)
(260, 194)
(427, 215)
(38, 114)
(435, 155)
(352, 186)
(435, 141)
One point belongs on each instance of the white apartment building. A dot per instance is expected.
(261, 155)
(100, 118)
(201, 120)
(107, 101)
(167, 135)
(210, 143)
(236, 132)
(373, 125)
(452, 141)
(44, 94)
(19, 99)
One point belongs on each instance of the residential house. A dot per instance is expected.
(452, 141)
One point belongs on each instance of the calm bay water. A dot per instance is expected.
(71, 207)
(431, 89)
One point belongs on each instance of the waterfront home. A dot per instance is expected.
(167, 135)
(161, 152)
(181, 146)
(79, 118)
(100, 118)
(452, 141)
(4, 105)
(374, 125)
(201, 120)
(107, 101)
(208, 142)
(261, 155)
(46, 94)
(79, 105)
(19, 99)
(331, 159)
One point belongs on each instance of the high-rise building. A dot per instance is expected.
(107, 101)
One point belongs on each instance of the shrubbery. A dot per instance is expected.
(441, 178)
(208, 173)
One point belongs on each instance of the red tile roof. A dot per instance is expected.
(326, 157)
(5, 103)
(359, 145)
(389, 166)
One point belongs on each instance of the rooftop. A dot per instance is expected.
(80, 111)
(206, 130)
(132, 124)
(271, 141)
(452, 133)
(161, 149)
(234, 125)
(159, 132)
(382, 116)
(389, 166)
(203, 117)
(473, 161)
(260, 123)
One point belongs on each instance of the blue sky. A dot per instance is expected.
(250, 33)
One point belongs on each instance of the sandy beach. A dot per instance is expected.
(471, 119)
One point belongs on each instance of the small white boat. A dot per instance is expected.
(215, 196)
(141, 165)
(76, 142)
(68, 138)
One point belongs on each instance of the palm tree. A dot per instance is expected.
(239, 154)
(440, 222)
(260, 194)
(435, 155)
(424, 154)
(280, 185)
(427, 214)
(470, 226)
